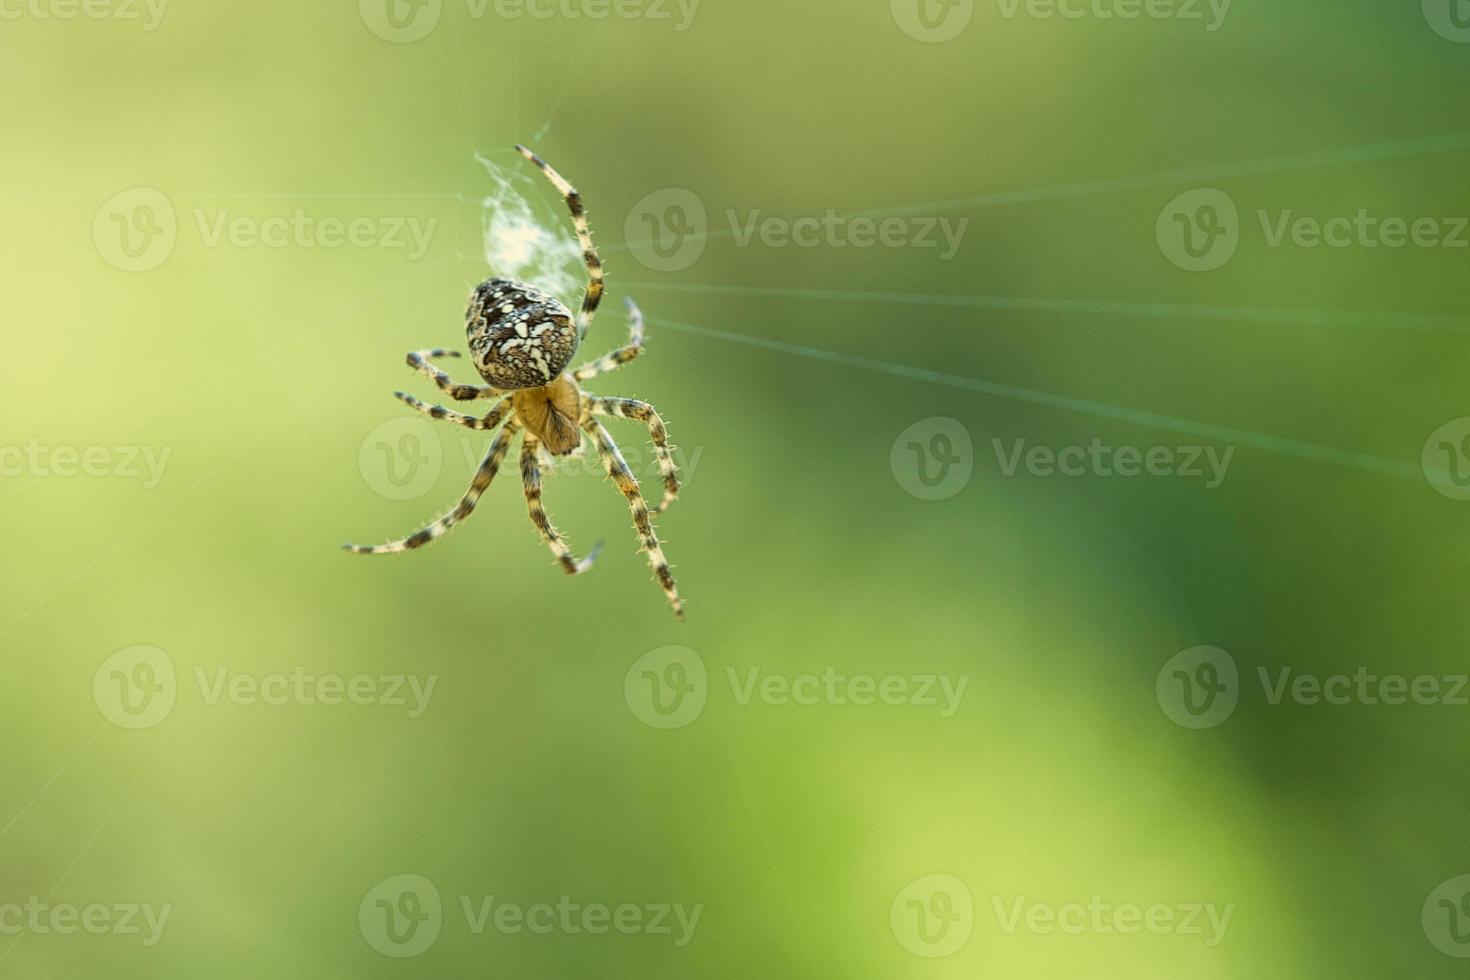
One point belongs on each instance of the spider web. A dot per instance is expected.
(520, 243)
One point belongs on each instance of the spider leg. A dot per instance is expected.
(483, 476)
(419, 361)
(531, 481)
(584, 235)
(491, 421)
(616, 359)
(617, 468)
(630, 408)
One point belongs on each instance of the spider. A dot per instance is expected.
(521, 340)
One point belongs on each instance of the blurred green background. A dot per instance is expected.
(803, 384)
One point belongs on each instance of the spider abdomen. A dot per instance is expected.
(519, 336)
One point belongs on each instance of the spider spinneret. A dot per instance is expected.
(521, 340)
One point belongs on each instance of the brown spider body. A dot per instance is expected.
(522, 340)
(552, 413)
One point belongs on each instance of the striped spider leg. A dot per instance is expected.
(531, 483)
(613, 360)
(466, 506)
(595, 281)
(627, 483)
(631, 408)
(420, 360)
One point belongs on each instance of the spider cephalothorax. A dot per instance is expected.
(522, 340)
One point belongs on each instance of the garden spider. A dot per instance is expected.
(521, 340)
